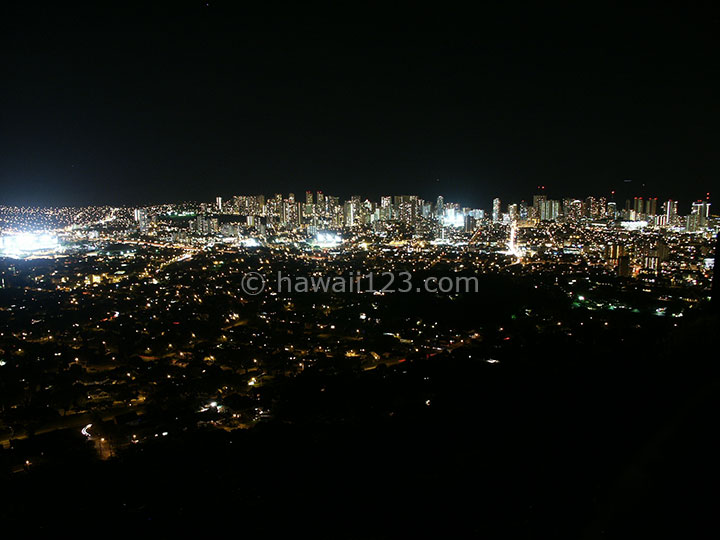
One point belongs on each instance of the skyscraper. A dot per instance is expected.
(440, 207)
(651, 206)
(349, 214)
(549, 210)
(407, 207)
(698, 218)
(716, 279)
(141, 219)
(591, 207)
(671, 212)
(538, 201)
(638, 207)
(496, 216)
(612, 210)
(572, 209)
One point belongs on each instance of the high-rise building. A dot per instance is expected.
(591, 208)
(638, 207)
(141, 219)
(538, 202)
(523, 210)
(612, 210)
(704, 211)
(572, 209)
(602, 207)
(349, 214)
(249, 205)
(274, 211)
(698, 218)
(651, 206)
(205, 225)
(407, 207)
(671, 212)
(651, 263)
(496, 214)
(549, 210)
(613, 252)
(715, 292)
(290, 212)
(470, 224)
(218, 204)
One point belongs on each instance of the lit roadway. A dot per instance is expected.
(74, 421)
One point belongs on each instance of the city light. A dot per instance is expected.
(24, 244)
(326, 240)
(249, 242)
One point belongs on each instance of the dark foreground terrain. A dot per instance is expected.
(616, 438)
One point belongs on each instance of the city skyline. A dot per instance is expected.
(611, 196)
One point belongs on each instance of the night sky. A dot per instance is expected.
(124, 104)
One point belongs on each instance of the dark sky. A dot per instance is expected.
(126, 103)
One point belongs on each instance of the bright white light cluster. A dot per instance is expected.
(327, 240)
(633, 225)
(249, 242)
(22, 244)
(452, 218)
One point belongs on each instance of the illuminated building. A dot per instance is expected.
(140, 215)
(613, 252)
(470, 224)
(612, 210)
(716, 276)
(572, 209)
(651, 206)
(496, 210)
(523, 210)
(671, 212)
(440, 207)
(638, 207)
(349, 214)
(538, 202)
(407, 207)
(549, 210)
(698, 218)
(651, 263)
(591, 207)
